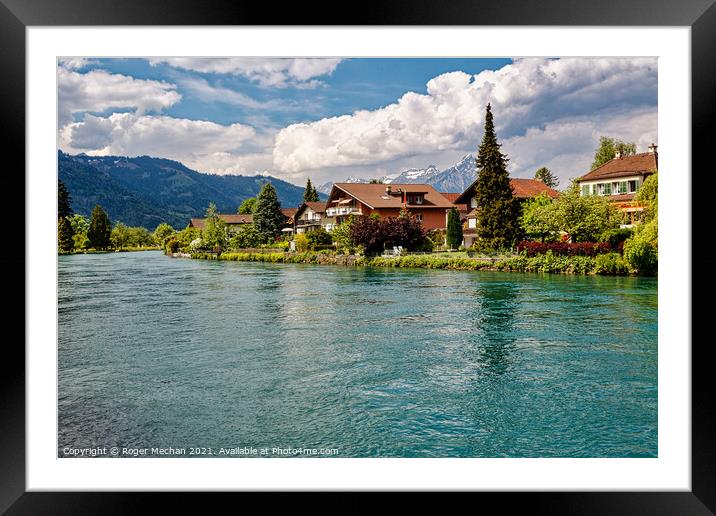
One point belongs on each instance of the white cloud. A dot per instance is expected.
(527, 94)
(75, 63)
(99, 90)
(206, 146)
(276, 72)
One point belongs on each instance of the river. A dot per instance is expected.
(158, 352)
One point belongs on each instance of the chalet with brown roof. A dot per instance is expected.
(522, 189)
(387, 200)
(310, 216)
(619, 179)
(231, 220)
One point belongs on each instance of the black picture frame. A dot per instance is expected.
(700, 15)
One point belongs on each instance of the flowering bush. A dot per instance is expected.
(376, 234)
(564, 248)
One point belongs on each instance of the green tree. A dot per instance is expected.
(498, 225)
(319, 237)
(538, 219)
(139, 237)
(268, 219)
(80, 226)
(99, 231)
(583, 218)
(214, 233)
(454, 229)
(641, 250)
(341, 235)
(608, 148)
(64, 201)
(310, 194)
(649, 195)
(375, 181)
(247, 206)
(547, 177)
(245, 237)
(65, 239)
(162, 232)
(120, 236)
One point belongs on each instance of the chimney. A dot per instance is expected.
(387, 189)
(652, 148)
(617, 154)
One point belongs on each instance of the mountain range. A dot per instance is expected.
(145, 191)
(453, 179)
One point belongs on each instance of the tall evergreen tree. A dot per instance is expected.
(454, 229)
(100, 230)
(547, 177)
(498, 224)
(64, 235)
(311, 194)
(64, 201)
(268, 219)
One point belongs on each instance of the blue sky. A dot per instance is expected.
(331, 118)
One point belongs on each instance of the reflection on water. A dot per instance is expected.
(156, 351)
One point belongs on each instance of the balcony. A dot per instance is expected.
(343, 210)
(308, 222)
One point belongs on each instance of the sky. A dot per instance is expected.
(331, 118)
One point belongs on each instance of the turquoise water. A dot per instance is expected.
(162, 352)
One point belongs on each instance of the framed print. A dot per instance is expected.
(424, 256)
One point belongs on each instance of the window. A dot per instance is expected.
(607, 188)
(585, 189)
(633, 185)
(471, 223)
(622, 187)
(419, 216)
(473, 202)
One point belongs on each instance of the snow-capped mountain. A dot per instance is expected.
(453, 179)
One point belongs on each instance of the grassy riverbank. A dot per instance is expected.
(607, 264)
(105, 251)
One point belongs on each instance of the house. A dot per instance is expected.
(310, 216)
(387, 200)
(233, 221)
(619, 179)
(522, 189)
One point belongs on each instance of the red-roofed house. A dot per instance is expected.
(232, 220)
(310, 216)
(422, 200)
(620, 178)
(521, 188)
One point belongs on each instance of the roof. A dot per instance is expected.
(229, 218)
(374, 195)
(521, 188)
(644, 163)
(318, 207)
(289, 212)
(450, 196)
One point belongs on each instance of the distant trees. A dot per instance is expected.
(310, 194)
(375, 181)
(268, 219)
(498, 225)
(120, 236)
(100, 230)
(454, 229)
(547, 177)
(608, 148)
(247, 206)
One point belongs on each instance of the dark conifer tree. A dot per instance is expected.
(64, 201)
(64, 235)
(454, 229)
(268, 219)
(100, 229)
(498, 215)
(311, 194)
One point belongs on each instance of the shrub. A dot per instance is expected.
(171, 245)
(246, 237)
(564, 248)
(617, 236)
(376, 234)
(610, 263)
(302, 242)
(641, 255)
(319, 237)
